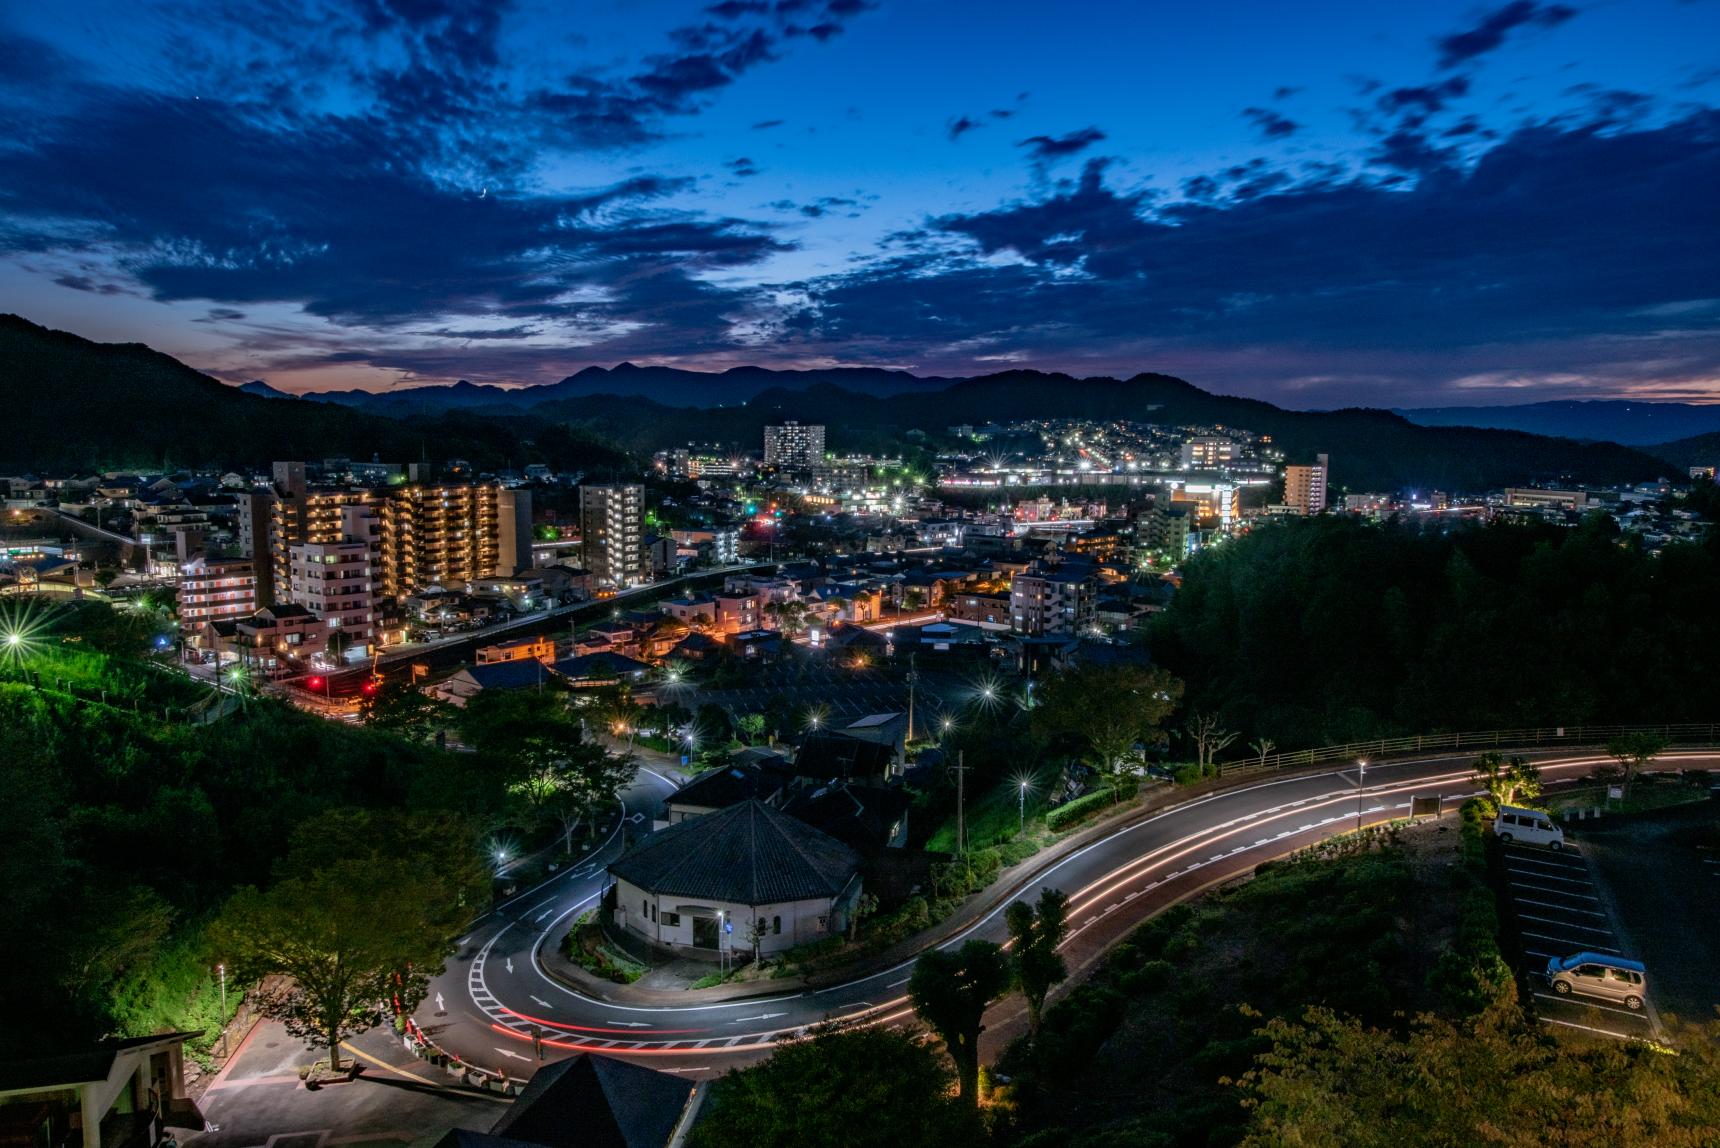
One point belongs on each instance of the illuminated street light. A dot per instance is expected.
(1361, 780)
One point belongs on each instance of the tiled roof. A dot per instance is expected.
(596, 1102)
(747, 854)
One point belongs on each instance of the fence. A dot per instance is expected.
(1697, 733)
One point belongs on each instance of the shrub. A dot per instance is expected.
(1079, 809)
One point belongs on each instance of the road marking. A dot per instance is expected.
(1564, 924)
(543, 1003)
(1547, 905)
(507, 1052)
(761, 1016)
(1557, 892)
(510, 961)
(1568, 941)
(1578, 998)
(440, 1007)
(894, 984)
(1550, 877)
(625, 1023)
(1588, 1028)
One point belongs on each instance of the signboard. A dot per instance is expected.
(1424, 807)
(1615, 793)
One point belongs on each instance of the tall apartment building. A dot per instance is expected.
(1305, 487)
(255, 509)
(336, 581)
(513, 531)
(215, 589)
(1164, 530)
(1052, 601)
(612, 534)
(443, 535)
(794, 445)
(1209, 452)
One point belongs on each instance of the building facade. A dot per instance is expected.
(612, 534)
(1305, 487)
(1052, 602)
(794, 445)
(336, 582)
(213, 589)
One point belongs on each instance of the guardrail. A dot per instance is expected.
(1477, 740)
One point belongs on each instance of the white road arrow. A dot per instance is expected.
(506, 1052)
(440, 1007)
(628, 1023)
(761, 1016)
(542, 1003)
(510, 961)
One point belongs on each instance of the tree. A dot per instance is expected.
(1263, 746)
(1037, 931)
(1208, 736)
(1108, 709)
(361, 918)
(951, 991)
(398, 704)
(861, 1087)
(573, 782)
(790, 617)
(1509, 781)
(1634, 751)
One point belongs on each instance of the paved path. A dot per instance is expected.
(496, 989)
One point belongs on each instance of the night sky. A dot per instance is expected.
(1321, 204)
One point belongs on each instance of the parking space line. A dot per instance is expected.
(1588, 1028)
(1550, 877)
(1566, 924)
(1573, 862)
(1556, 892)
(1566, 940)
(1561, 908)
(1588, 1003)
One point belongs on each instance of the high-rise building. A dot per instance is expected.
(514, 531)
(1305, 487)
(1208, 452)
(444, 535)
(793, 445)
(337, 582)
(215, 589)
(612, 529)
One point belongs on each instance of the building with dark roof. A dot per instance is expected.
(720, 788)
(597, 1102)
(743, 879)
(118, 1094)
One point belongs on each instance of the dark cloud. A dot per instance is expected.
(1272, 125)
(1424, 99)
(1001, 113)
(1047, 149)
(735, 9)
(960, 126)
(1534, 259)
(85, 283)
(223, 315)
(1461, 47)
(743, 166)
(766, 125)
(1284, 93)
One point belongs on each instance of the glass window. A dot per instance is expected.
(776, 925)
(1593, 971)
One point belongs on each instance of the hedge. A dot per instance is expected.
(1083, 806)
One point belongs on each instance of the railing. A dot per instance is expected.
(1701, 733)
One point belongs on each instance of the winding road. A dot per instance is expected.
(484, 1007)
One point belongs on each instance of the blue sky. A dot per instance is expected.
(1321, 204)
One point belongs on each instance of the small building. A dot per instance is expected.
(525, 674)
(517, 651)
(603, 668)
(591, 1101)
(741, 878)
(119, 1094)
(763, 781)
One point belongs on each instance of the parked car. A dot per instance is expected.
(1598, 975)
(1530, 826)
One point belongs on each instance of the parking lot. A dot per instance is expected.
(1558, 910)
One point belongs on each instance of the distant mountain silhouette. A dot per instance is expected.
(1600, 420)
(263, 390)
(669, 386)
(1697, 450)
(76, 405)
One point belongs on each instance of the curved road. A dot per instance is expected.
(483, 1008)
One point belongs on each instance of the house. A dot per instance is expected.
(695, 647)
(863, 817)
(743, 878)
(765, 781)
(591, 1101)
(523, 674)
(119, 1094)
(832, 757)
(603, 668)
(275, 636)
(517, 651)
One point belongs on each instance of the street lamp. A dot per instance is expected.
(1361, 780)
(222, 969)
(1024, 788)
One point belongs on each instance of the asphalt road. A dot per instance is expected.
(494, 990)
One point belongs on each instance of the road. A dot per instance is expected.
(495, 990)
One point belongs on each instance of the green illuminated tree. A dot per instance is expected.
(1633, 752)
(1037, 930)
(951, 991)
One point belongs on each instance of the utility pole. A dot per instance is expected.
(222, 969)
(913, 677)
(961, 802)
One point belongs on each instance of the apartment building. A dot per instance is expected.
(794, 445)
(612, 533)
(1305, 487)
(1053, 601)
(215, 589)
(1209, 452)
(444, 534)
(336, 582)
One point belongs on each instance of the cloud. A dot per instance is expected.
(766, 125)
(742, 166)
(1284, 93)
(1423, 100)
(960, 126)
(1495, 26)
(1048, 149)
(1272, 125)
(1534, 259)
(85, 283)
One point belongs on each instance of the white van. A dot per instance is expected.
(1530, 826)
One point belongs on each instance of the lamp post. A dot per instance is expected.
(1023, 828)
(1361, 780)
(222, 969)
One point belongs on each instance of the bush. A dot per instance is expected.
(1081, 808)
